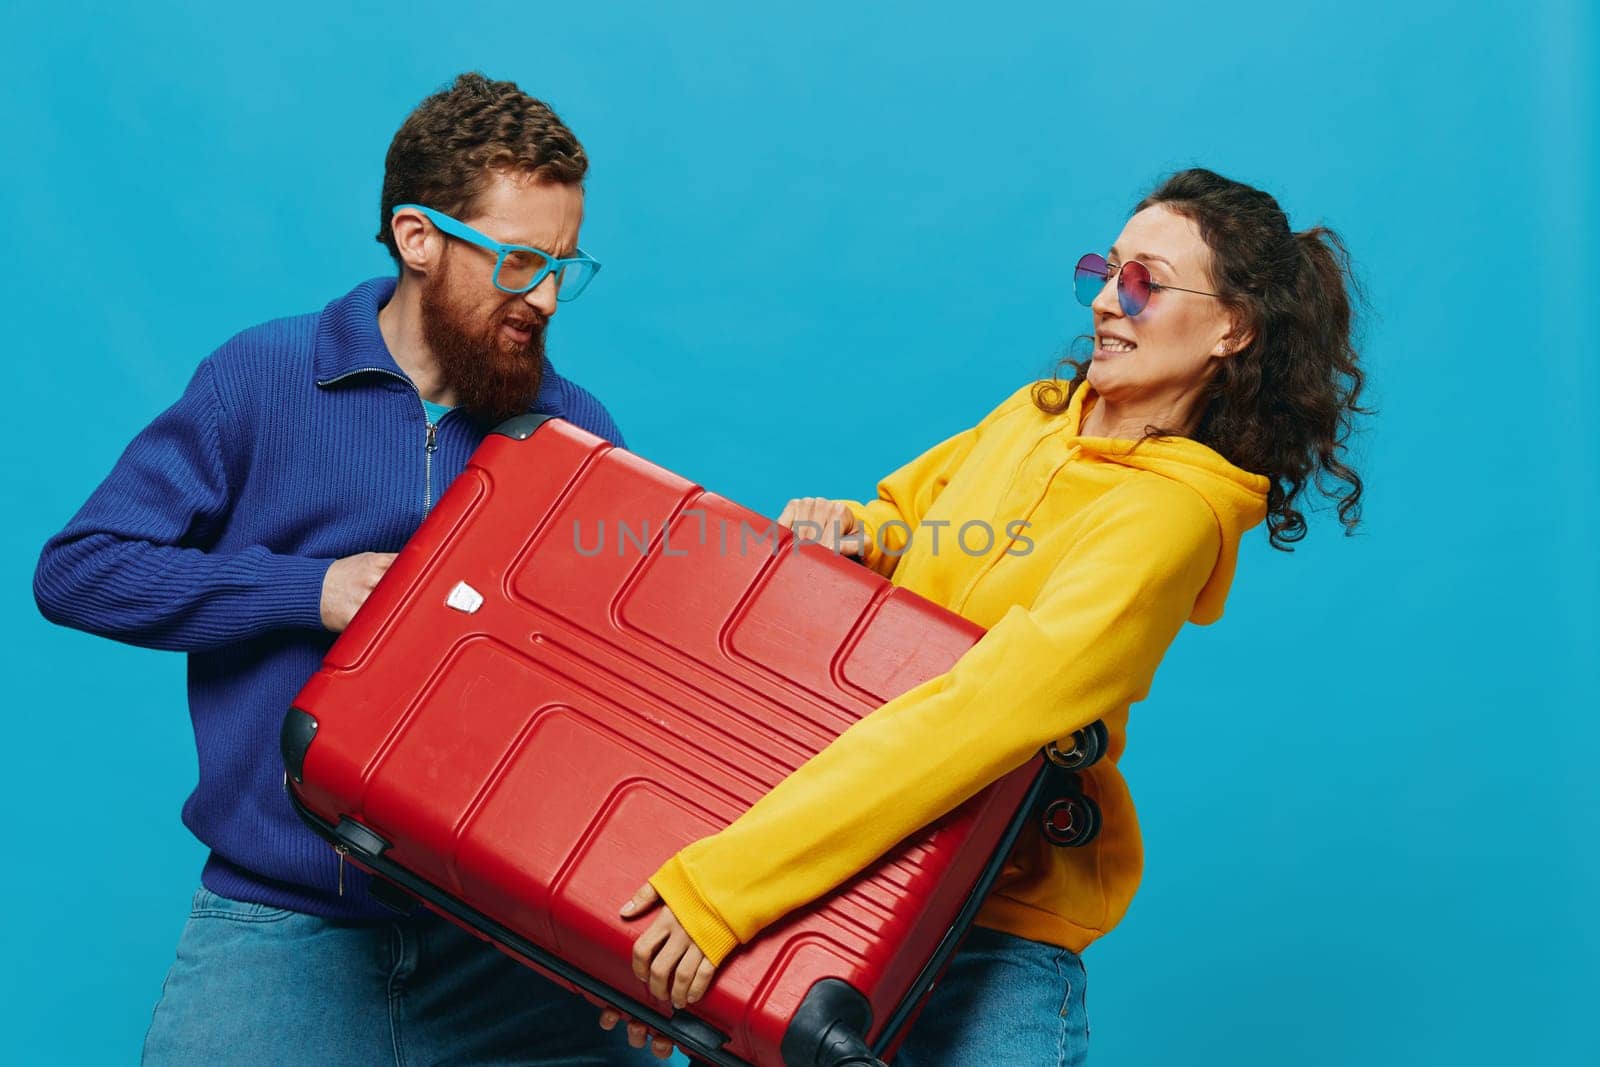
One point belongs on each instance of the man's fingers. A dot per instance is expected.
(644, 898)
(638, 1034)
(377, 566)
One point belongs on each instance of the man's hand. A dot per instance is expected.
(660, 1047)
(825, 522)
(347, 585)
(668, 960)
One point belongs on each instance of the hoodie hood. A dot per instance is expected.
(1236, 497)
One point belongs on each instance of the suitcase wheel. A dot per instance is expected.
(1086, 747)
(1071, 821)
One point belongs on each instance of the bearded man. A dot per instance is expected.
(248, 523)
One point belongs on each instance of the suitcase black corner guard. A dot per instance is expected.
(299, 728)
(521, 427)
(829, 1028)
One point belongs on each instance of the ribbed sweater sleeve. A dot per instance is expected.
(134, 563)
(581, 408)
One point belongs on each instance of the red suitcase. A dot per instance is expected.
(582, 663)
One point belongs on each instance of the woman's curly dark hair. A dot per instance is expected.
(1285, 404)
(444, 153)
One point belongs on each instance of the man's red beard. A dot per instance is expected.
(493, 376)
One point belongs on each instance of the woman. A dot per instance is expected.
(1223, 379)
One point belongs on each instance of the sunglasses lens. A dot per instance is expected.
(1133, 287)
(1089, 278)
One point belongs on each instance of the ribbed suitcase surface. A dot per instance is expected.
(581, 663)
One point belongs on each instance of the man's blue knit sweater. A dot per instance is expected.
(298, 442)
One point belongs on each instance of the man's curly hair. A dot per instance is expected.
(446, 150)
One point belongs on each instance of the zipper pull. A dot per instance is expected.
(433, 436)
(343, 852)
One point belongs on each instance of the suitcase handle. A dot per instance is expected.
(698, 1038)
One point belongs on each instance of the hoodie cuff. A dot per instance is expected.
(699, 919)
(873, 556)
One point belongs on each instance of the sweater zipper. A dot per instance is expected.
(427, 467)
(431, 442)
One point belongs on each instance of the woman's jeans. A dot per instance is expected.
(257, 985)
(1004, 1000)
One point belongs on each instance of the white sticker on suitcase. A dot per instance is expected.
(465, 598)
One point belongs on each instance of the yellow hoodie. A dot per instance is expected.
(1126, 543)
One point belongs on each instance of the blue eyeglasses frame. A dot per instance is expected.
(585, 263)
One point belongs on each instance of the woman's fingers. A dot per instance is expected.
(823, 521)
(665, 965)
(802, 509)
(840, 526)
(644, 898)
(683, 977)
(702, 980)
(648, 945)
(609, 1017)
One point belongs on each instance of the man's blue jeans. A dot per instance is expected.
(256, 985)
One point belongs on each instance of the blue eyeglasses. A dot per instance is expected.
(517, 268)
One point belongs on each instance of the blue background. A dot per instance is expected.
(832, 237)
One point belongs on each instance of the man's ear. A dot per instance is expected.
(418, 243)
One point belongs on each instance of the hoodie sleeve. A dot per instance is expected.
(134, 563)
(1085, 649)
(904, 497)
(907, 494)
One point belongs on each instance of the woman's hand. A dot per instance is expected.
(825, 522)
(664, 956)
(668, 961)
